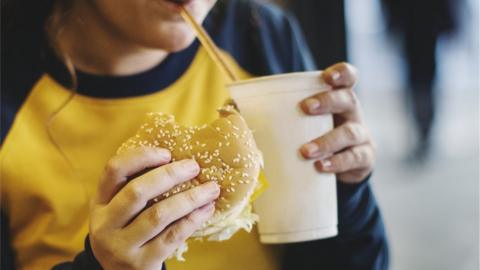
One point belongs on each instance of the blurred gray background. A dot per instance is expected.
(431, 208)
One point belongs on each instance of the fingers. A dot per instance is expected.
(350, 136)
(121, 166)
(155, 219)
(347, 135)
(358, 157)
(335, 102)
(351, 165)
(341, 100)
(340, 75)
(176, 234)
(134, 196)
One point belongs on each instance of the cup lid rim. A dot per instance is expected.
(275, 77)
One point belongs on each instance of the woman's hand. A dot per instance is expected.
(348, 149)
(125, 235)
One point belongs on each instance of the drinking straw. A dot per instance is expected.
(212, 50)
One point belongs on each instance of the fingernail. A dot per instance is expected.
(163, 152)
(190, 165)
(310, 148)
(326, 163)
(210, 207)
(312, 104)
(213, 187)
(335, 75)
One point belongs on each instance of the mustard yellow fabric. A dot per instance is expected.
(47, 199)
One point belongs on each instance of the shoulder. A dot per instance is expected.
(21, 62)
(263, 38)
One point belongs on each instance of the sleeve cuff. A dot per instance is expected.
(346, 191)
(90, 259)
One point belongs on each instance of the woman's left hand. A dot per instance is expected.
(348, 149)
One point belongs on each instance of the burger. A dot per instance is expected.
(226, 153)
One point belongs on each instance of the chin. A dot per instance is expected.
(178, 44)
(173, 39)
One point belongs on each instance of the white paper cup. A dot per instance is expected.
(300, 203)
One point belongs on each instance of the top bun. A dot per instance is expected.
(227, 154)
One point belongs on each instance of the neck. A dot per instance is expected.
(95, 47)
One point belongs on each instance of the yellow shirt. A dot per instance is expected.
(47, 200)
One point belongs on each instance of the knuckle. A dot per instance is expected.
(176, 234)
(325, 99)
(327, 146)
(353, 132)
(338, 162)
(158, 215)
(134, 192)
(358, 155)
(170, 171)
(113, 168)
(192, 220)
(193, 196)
(352, 99)
(325, 143)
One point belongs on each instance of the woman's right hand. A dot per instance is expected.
(125, 235)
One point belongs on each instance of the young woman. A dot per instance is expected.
(77, 79)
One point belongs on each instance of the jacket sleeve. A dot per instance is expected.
(361, 242)
(7, 257)
(262, 38)
(279, 47)
(85, 260)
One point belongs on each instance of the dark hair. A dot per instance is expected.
(33, 23)
(25, 15)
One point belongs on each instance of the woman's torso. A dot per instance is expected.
(47, 190)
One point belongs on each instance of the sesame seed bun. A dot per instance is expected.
(227, 154)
